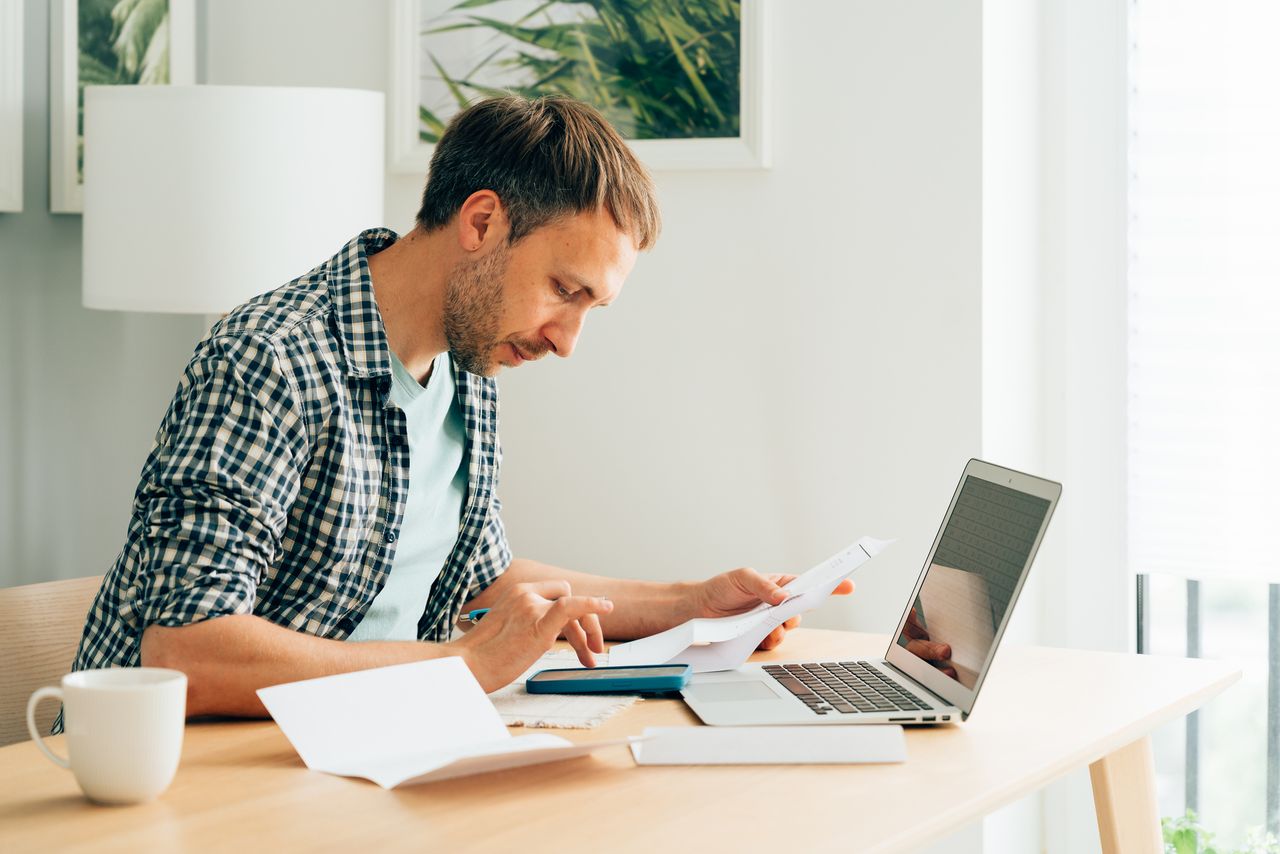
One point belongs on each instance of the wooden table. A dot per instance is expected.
(1042, 713)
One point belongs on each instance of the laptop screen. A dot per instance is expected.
(972, 577)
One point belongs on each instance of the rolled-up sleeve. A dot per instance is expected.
(216, 495)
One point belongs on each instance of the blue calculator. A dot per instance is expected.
(657, 679)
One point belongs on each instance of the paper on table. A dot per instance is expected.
(408, 723)
(518, 707)
(723, 643)
(770, 745)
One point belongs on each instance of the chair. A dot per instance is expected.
(40, 627)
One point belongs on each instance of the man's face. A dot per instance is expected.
(517, 303)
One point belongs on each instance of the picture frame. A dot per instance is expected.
(11, 106)
(66, 190)
(749, 149)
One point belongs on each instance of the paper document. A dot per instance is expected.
(723, 643)
(770, 745)
(518, 707)
(408, 723)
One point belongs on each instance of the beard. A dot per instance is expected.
(473, 310)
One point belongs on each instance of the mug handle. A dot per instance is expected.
(39, 695)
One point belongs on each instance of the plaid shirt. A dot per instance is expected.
(279, 476)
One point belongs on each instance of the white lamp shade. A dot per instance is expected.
(197, 198)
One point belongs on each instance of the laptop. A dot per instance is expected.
(963, 598)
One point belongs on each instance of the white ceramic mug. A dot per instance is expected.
(124, 730)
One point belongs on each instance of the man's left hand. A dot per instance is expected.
(742, 589)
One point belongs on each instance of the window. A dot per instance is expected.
(1204, 381)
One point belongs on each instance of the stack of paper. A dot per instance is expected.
(408, 723)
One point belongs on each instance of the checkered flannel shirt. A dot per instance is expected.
(279, 476)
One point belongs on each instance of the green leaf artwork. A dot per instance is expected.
(657, 69)
(121, 42)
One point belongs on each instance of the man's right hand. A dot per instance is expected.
(524, 624)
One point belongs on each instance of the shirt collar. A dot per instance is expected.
(364, 339)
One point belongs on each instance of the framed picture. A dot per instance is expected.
(10, 105)
(682, 80)
(103, 43)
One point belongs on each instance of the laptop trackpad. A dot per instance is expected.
(716, 692)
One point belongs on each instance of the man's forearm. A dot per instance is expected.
(227, 659)
(640, 607)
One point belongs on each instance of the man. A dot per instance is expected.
(321, 496)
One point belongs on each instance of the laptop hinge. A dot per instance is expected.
(912, 681)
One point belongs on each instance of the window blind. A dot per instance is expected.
(1204, 288)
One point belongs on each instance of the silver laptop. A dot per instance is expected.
(963, 599)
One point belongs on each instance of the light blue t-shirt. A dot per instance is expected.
(433, 509)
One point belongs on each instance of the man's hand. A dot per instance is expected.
(741, 590)
(936, 653)
(524, 624)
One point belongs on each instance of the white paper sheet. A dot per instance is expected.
(408, 723)
(518, 707)
(723, 643)
(770, 745)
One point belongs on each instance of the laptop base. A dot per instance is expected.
(750, 696)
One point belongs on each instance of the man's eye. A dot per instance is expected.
(562, 291)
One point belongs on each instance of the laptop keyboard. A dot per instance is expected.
(847, 687)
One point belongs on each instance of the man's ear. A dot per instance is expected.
(482, 220)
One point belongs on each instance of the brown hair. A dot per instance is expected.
(547, 158)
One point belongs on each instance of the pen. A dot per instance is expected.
(473, 617)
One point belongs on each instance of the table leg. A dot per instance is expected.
(1124, 795)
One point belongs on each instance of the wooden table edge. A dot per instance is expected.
(1128, 817)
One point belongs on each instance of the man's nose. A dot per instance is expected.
(563, 334)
